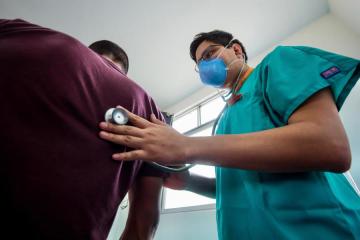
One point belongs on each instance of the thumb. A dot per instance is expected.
(155, 120)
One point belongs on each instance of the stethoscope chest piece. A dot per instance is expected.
(116, 116)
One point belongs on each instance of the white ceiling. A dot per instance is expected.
(348, 11)
(156, 34)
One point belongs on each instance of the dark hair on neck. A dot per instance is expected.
(114, 51)
(215, 36)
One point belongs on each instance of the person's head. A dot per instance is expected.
(218, 44)
(112, 52)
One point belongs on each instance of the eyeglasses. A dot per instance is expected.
(209, 53)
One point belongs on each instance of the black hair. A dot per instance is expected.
(117, 54)
(216, 36)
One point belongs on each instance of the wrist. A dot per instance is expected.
(189, 150)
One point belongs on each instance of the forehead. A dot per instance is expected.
(201, 48)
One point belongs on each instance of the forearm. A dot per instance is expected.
(314, 139)
(293, 148)
(201, 185)
(141, 227)
(144, 212)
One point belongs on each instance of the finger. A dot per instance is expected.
(121, 129)
(130, 156)
(129, 141)
(155, 120)
(136, 120)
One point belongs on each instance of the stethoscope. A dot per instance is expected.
(120, 117)
(217, 120)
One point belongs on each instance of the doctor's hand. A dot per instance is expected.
(151, 140)
(177, 180)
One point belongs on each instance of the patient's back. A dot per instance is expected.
(58, 180)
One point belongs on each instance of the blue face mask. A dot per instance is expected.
(213, 72)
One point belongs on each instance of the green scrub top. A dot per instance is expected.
(306, 205)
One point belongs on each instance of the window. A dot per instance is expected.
(195, 122)
(211, 110)
(186, 122)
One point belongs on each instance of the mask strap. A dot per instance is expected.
(225, 47)
(230, 92)
(242, 69)
(233, 61)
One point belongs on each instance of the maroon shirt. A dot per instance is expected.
(58, 180)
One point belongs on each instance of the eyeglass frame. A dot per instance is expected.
(208, 50)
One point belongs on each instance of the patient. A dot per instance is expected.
(112, 52)
(58, 180)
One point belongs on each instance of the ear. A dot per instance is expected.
(237, 49)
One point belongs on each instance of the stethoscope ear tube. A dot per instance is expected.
(171, 169)
(217, 121)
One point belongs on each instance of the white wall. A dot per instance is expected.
(347, 11)
(119, 224)
(328, 33)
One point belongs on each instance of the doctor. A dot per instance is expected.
(280, 147)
